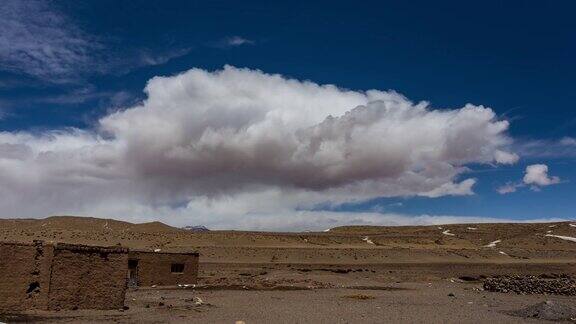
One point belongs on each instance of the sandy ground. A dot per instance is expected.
(347, 275)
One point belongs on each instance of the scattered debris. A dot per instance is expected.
(562, 285)
(548, 310)
(492, 244)
(447, 232)
(567, 238)
(198, 301)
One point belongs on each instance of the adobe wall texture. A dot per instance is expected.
(25, 276)
(62, 276)
(88, 277)
(154, 268)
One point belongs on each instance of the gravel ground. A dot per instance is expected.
(434, 302)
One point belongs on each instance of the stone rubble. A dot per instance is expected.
(524, 285)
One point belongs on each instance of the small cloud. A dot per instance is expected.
(237, 41)
(568, 141)
(233, 41)
(151, 59)
(547, 149)
(504, 157)
(537, 175)
(509, 188)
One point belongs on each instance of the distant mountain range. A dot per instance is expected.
(196, 228)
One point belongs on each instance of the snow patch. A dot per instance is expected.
(472, 228)
(367, 240)
(567, 238)
(492, 244)
(447, 232)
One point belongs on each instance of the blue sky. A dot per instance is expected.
(65, 65)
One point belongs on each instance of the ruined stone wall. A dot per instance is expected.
(24, 276)
(156, 268)
(88, 277)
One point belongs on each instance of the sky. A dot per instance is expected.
(288, 116)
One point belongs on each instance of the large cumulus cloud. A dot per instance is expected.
(239, 142)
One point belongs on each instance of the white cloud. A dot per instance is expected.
(546, 149)
(232, 41)
(239, 144)
(40, 41)
(238, 41)
(537, 175)
(162, 58)
(568, 141)
(508, 188)
(506, 157)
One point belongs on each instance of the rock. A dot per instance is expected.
(548, 310)
(451, 295)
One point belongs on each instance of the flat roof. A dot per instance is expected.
(164, 252)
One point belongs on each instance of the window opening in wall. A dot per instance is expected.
(34, 287)
(177, 268)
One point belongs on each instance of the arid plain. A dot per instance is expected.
(431, 274)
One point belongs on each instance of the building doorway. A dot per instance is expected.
(132, 273)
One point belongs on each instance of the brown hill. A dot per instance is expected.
(351, 244)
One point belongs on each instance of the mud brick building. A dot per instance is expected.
(67, 276)
(162, 268)
(61, 276)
